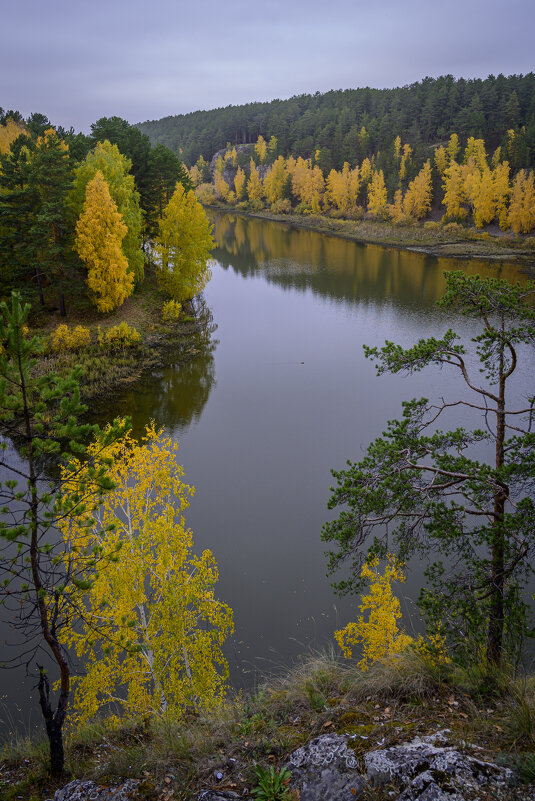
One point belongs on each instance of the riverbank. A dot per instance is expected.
(432, 238)
(490, 717)
(109, 368)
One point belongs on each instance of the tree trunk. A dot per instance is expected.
(53, 722)
(497, 577)
(62, 304)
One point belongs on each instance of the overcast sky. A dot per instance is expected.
(78, 60)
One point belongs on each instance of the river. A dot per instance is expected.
(280, 393)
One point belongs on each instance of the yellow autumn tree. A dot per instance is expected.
(454, 195)
(10, 131)
(453, 147)
(417, 200)
(366, 170)
(221, 186)
(275, 181)
(521, 213)
(404, 163)
(441, 160)
(153, 628)
(475, 150)
(378, 633)
(115, 168)
(501, 192)
(183, 246)
(261, 148)
(480, 191)
(239, 183)
(255, 190)
(100, 231)
(395, 209)
(377, 194)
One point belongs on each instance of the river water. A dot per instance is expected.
(277, 395)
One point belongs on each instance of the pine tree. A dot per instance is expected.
(100, 231)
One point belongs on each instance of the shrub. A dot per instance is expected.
(529, 242)
(205, 194)
(171, 310)
(281, 207)
(432, 225)
(64, 338)
(119, 336)
(454, 228)
(255, 204)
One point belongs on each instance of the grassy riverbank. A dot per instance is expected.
(490, 717)
(109, 369)
(450, 240)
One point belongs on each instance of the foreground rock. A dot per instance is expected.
(90, 791)
(327, 769)
(425, 769)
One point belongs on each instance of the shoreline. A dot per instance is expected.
(437, 242)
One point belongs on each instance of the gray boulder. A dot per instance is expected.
(430, 772)
(89, 791)
(326, 770)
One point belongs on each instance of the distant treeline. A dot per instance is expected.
(424, 113)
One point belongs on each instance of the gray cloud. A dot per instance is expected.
(77, 62)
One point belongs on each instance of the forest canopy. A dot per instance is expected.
(422, 113)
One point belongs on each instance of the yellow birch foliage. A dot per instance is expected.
(100, 231)
(454, 195)
(405, 159)
(299, 179)
(379, 634)
(395, 210)
(521, 214)
(336, 191)
(315, 187)
(366, 170)
(239, 183)
(417, 200)
(115, 168)
(195, 175)
(255, 190)
(275, 181)
(9, 132)
(221, 186)
(501, 192)
(183, 246)
(377, 193)
(152, 635)
(496, 156)
(453, 147)
(261, 148)
(475, 149)
(441, 160)
(480, 189)
(397, 148)
(272, 145)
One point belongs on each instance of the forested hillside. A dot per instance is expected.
(423, 113)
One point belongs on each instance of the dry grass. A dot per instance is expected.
(388, 704)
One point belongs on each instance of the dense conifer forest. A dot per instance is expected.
(424, 113)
